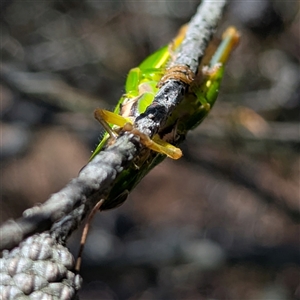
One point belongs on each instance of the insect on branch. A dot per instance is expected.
(70, 205)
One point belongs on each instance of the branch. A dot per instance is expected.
(58, 217)
(94, 181)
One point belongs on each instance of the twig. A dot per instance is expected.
(70, 205)
(85, 233)
(66, 209)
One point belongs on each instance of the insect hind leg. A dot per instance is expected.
(104, 117)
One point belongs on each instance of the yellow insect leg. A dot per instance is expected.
(230, 39)
(158, 145)
(104, 117)
(155, 144)
(176, 42)
(166, 148)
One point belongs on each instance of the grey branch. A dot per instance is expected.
(66, 209)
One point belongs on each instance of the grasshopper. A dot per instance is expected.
(142, 84)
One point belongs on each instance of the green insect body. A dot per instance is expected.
(141, 88)
(203, 92)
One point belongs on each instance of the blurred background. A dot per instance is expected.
(220, 223)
